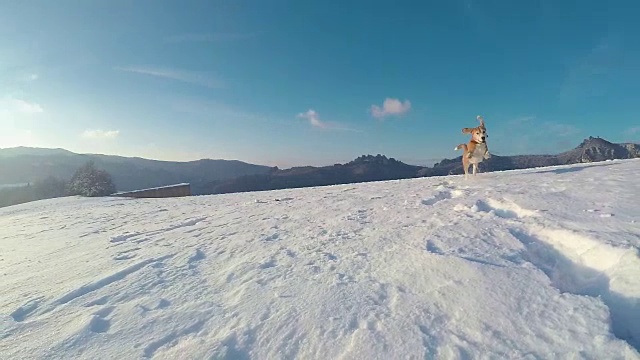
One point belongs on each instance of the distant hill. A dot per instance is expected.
(27, 165)
(379, 168)
(363, 169)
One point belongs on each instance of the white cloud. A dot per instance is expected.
(31, 77)
(193, 77)
(11, 105)
(390, 107)
(314, 119)
(100, 134)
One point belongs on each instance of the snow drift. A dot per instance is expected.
(539, 263)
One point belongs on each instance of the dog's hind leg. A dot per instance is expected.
(465, 167)
(475, 169)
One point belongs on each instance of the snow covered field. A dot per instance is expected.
(533, 264)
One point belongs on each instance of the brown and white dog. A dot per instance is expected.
(476, 149)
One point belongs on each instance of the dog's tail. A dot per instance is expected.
(481, 119)
(461, 146)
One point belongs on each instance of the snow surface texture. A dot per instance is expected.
(533, 264)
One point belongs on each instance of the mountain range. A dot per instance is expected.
(207, 176)
(379, 167)
(27, 165)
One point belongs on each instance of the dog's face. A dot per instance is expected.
(478, 134)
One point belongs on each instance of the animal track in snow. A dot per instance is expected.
(343, 278)
(195, 258)
(579, 265)
(99, 322)
(99, 301)
(360, 216)
(462, 254)
(186, 223)
(442, 195)
(123, 237)
(118, 239)
(330, 256)
(107, 280)
(163, 303)
(268, 264)
(433, 248)
(272, 237)
(503, 209)
(173, 337)
(126, 254)
(21, 313)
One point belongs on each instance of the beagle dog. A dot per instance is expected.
(476, 150)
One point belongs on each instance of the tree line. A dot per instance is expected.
(87, 181)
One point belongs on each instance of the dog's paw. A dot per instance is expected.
(487, 155)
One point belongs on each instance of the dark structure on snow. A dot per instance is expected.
(177, 190)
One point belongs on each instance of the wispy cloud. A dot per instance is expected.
(632, 130)
(29, 77)
(591, 75)
(522, 120)
(209, 37)
(12, 105)
(532, 136)
(193, 77)
(559, 129)
(100, 134)
(390, 107)
(532, 125)
(314, 119)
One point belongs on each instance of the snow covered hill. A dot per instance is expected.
(528, 264)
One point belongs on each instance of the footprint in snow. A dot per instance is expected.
(272, 237)
(268, 264)
(433, 248)
(21, 313)
(100, 323)
(195, 258)
(503, 209)
(123, 237)
(442, 195)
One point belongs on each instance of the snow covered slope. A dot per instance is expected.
(534, 264)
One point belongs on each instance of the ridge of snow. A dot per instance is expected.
(535, 263)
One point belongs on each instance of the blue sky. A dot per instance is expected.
(316, 82)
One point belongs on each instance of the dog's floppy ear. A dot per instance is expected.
(467, 130)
